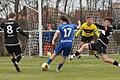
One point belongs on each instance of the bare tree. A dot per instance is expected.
(16, 7)
(65, 7)
(57, 4)
(81, 13)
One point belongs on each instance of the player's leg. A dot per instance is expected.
(83, 48)
(60, 65)
(92, 40)
(66, 52)
(10, 50)
(95, 53)
(83, 40)
(106, 59)
(57, 50)
(79, 56)
(18, 56)
(18, 53)
(52, 57)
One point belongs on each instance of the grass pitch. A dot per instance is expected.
(86, 68)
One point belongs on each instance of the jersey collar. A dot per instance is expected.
(10, 19)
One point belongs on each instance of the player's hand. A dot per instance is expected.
(53, 43)
(92, 22)
(79, 22)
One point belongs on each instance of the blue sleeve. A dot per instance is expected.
(59, 28)
(75, 26)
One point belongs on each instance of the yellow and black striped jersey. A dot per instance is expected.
(88, 31)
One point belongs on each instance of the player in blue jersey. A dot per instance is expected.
(66, 31)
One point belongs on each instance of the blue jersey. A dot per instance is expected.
(67, 34)
(49, 36)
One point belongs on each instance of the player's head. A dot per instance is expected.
(12, 15)
(49, 26)
(90, 20)
(63, 19)
(108, 22)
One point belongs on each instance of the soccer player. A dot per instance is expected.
(88, 31)
(102, 43)
(66, 33)
(48, 48)
(11, 27)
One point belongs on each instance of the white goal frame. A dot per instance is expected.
(39, 11)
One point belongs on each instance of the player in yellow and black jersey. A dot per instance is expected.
(87, 31)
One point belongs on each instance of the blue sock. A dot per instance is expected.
(59, 66)
(49, 61)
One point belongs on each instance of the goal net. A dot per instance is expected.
(49, 22)
(113, 48)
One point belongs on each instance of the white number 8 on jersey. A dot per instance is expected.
(9, 29)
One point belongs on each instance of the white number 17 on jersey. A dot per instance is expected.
(67, 32)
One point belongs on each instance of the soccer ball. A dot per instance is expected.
(44, 67)
(48, 54)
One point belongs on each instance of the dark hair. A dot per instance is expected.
(109, 19)
(63, 18)
(89, 17)
(12, 15)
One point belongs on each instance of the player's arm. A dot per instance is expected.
(78, 32)
(100, 26)
(55, 37)
(21, 32)
(96, 32)
(79, 24)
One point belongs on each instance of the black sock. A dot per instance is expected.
(77, 54)
(13, 60)
(115, 63)
(19, 58)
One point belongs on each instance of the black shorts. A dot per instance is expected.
(14, 49)
(86, 39)
(98, 46)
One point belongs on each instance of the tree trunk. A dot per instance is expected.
(57, 4)
(81, 14)
(65, 8)
(17, 8)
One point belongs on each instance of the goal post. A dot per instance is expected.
(40, 27)
(35, 29)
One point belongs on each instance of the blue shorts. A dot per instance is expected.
(65, 49)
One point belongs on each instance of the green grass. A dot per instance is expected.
(86, 68)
